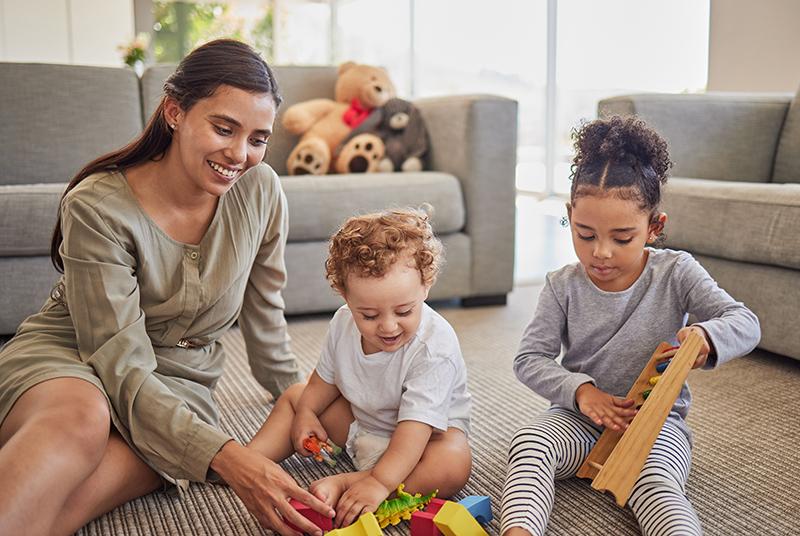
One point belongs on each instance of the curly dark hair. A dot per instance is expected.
(369, 245)
(623, 155)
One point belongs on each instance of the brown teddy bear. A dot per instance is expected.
(401, 129)
(323, 124)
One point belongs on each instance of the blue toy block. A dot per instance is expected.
(479, 506)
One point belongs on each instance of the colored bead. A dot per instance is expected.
(653, 380)
(661, 367)
(646, 394)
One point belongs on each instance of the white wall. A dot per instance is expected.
(65, 31)
(754, 45)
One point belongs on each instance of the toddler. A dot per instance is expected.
(390, 384)
(609, 311)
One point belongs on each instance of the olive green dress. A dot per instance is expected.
(140, 315)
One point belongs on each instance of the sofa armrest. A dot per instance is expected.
(474, 137)
(730, 136)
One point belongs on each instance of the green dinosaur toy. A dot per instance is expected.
(391, 511)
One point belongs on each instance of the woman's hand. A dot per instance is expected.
(702, 358)
(604, 409)
(304, 425)
(265, 489)
(363, 496)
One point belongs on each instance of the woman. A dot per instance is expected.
(107, 390)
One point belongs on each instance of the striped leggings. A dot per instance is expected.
(555, 445)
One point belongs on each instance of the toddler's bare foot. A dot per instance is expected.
(330, 488)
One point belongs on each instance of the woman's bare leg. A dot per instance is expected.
(121, 477)
(52, 443)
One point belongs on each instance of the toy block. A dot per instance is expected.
(366, 525)
(435, 505)
(455, 520)
(325, 523)
(422, 524)
(479, 506)
(615, 462)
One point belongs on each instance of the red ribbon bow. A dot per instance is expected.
(355, 114)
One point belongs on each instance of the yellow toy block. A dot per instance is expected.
(454, 519)
(366, 525)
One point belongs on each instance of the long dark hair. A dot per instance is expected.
(224, 61)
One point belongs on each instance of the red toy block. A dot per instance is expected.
(325, 523)
(422, 524)
(435, 505)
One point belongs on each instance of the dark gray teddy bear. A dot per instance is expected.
(400, 126)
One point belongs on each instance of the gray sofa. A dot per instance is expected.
(56, 118)
(734, 199)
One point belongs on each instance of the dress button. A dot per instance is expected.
(193, 255)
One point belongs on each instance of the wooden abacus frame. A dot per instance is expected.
(615, 462)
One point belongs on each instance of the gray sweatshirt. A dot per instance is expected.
(608, 337)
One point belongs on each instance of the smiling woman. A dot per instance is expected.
(106, 393)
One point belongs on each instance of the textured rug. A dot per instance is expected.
(745, 464)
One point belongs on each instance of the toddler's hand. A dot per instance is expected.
(363, 496)
(603, 408)
(306, 424)
(704, 350)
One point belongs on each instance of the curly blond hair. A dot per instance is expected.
(369, 245)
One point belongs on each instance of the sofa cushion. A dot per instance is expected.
(750, 222)
(319, 204)
(56, 118)
(787, 158)
(27, 216)
(722, 136)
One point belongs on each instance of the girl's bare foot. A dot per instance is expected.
(516, 531)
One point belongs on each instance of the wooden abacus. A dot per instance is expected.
(615, 462)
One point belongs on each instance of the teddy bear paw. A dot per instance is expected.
(412, 164)
(311, 157)
(362, 154)
(386, 165)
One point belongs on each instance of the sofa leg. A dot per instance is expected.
(481, 301)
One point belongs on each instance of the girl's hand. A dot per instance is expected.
(604, 409)
(306, 424)
(702, 358)
(265, 489)
(363, 496)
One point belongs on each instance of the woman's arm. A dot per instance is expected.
(262, 319)
(265, 489)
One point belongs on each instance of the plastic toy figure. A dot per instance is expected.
(323, 451)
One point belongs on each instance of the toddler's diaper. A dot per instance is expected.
(365, 448)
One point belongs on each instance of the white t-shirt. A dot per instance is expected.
(425, 380)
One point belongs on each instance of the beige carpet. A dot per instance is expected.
(745, 471)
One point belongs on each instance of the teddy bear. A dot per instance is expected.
(323, 124)
(399, 125)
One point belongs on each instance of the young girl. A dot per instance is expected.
(390, 384)
(609, 311)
